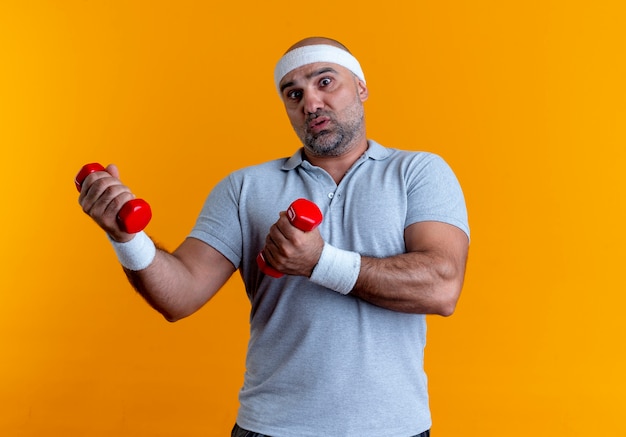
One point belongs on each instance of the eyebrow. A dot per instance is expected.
(311, 75)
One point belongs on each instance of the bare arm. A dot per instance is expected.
(175, 284)
(427, 279)
(179, 284)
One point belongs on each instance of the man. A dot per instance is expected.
(336, 344)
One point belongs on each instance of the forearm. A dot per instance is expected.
(414, 282)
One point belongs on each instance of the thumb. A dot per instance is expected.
(113, 171)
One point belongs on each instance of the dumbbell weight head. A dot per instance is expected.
(266, 268)
(304, 215)
(134, 215)
(86, 171)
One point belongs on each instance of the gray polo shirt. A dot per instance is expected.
(320, 363)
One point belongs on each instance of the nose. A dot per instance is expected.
(312, 102)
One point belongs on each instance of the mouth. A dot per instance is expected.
(318, 124)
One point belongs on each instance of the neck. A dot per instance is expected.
(338, 166)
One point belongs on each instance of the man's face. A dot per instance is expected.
(324, 103)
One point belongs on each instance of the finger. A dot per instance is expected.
(87, 186)
(106, 210)
(116, 203)
(284, 228)
(271, 245)
(100, 193)
(113, 171)
(101, 200)
(276, 238)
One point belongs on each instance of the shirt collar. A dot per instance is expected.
(374, 151)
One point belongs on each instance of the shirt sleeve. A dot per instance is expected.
(434, 194)
(218, 222)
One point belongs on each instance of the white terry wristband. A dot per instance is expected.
(337, 269)
(136, 254)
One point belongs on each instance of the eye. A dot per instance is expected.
(325, 81)
(293, 94)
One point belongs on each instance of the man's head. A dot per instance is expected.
(323, 89)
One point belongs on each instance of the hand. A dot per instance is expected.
(290, 250)
(101, 197)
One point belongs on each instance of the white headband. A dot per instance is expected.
(315, 53)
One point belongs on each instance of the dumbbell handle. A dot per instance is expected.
(134, 215)
(304, 215)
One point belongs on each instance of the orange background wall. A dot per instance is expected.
(525, 99)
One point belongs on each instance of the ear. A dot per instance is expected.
(362, 90)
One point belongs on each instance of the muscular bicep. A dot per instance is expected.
(208, 268)
(443, 241)
(426, 279)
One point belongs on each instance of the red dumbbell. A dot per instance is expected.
(304, 215)
(134, 214)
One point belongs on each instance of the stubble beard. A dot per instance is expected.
(337, 140)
